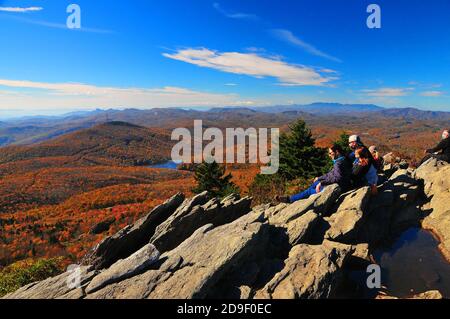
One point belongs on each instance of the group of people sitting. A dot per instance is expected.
(359, 168)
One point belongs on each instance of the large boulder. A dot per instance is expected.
(192, 269)
(436, 177)
(61, 286)
(125, 268)
(345, 223)
(195, 213)
(320, 203)
(311, 271)
(300, 230)
(132, 237)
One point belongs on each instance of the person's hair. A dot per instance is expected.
(337, 148)
(364, 155)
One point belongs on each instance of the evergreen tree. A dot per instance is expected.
(343, 142)
(299, 157)
(212, 178)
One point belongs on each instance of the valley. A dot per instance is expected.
(54, 192)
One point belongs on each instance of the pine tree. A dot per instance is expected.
(299, 157)
(343, 142)
(212, 178)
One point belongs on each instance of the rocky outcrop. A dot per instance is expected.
(431, 294)
(125, 268)
(61, 286)
(131, 238)
(204, 247)
(195, 213)
(436, 178)
(192, 269)
(310, 271)
(345, 223)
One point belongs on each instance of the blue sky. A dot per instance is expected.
(147, 54)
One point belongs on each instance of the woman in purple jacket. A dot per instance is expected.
(340, 174)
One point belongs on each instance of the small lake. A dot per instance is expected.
(168, 164)
(413, 264)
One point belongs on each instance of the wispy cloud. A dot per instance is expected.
(20, 9)
(53, 25)
(289, 37)
(388, 92)
(234, 15)
(253, 65)
(22, 94)
(432, 93)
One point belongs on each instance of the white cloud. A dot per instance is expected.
(328, 71)
(289, 37)
(253, 65)
(388, 92)
(31, 95)
(55, 25)
(432, 93)
(19, 9)
(234, 15)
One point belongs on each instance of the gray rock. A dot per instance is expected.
(132, 237)
(361, 251)
(389, 158)
(345, 223)
(431, 294)
(193, 268)
(196, 213)
(435, 175)
(55, 287)
(311, 271)
(125, 268)
(299, 230)
(245, 292)
(320, 203)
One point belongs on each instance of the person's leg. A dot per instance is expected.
(305, 194)
(426, 158)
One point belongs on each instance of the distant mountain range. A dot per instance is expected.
(29, 130)
(323, 108)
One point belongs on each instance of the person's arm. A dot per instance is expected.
(333, 176)
(371, 176)
(438, 148)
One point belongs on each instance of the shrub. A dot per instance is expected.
(211, 177)
(266, 187)
(24, 272)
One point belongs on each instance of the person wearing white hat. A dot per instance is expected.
(354, 142)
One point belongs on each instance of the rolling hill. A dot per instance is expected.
(112, 143)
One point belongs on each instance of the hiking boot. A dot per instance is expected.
(282, 199)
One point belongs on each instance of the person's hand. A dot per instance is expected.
(316, 179)
(318, 188)
(374, 189)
